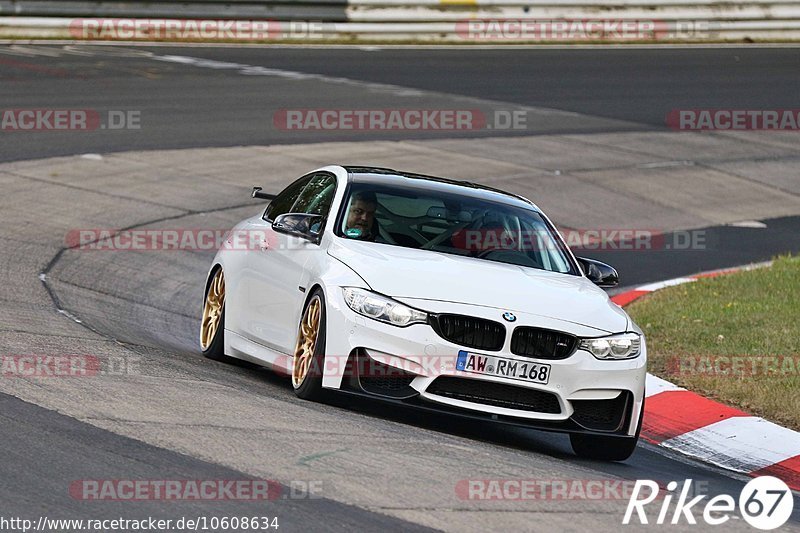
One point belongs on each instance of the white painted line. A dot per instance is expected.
(661, 284)
(743, 443)
(756, 224)
(396, 90)
(655, 385)
(255, 70)
(663, 164)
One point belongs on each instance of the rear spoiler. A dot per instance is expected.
(263, 195)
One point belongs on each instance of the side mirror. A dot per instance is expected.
(599, 273)
(263, 195)
(305, 225)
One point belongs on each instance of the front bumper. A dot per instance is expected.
(582, 394)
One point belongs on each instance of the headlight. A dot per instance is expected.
(620, 346)
(381, 308)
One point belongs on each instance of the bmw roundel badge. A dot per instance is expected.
(509, 317)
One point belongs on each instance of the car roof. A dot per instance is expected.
(389, 176)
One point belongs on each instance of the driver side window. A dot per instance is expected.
(317, 197)
(285, 200)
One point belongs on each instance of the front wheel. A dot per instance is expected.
(212, 325)
(309, 351)
(606, 448)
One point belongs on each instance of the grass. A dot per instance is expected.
(734, 338)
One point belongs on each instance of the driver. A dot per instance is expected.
(361, 222)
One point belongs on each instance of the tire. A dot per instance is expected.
(212, 344)
(308, 360)
(606, 448)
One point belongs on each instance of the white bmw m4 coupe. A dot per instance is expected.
(432, 293)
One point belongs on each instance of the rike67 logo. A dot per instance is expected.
(765, 503)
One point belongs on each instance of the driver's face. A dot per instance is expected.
(361, 216)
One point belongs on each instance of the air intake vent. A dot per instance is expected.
(378, 378)
(495, 394)
(601, 415)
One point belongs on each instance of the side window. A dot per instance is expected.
(285, 200)
(317, 197)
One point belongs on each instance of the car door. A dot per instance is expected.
(277, 268)
(247, 315)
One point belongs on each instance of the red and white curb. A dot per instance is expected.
(710, 431)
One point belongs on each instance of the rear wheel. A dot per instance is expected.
(606, 448)
(212, 325)
(309, 352)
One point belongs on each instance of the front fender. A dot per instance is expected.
(331, 275)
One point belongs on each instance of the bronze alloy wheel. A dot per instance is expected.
(307, 335)
(212, 310)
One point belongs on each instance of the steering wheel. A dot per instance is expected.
(509, 226)
(472, 224)
(402, 225)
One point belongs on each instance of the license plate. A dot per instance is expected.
(490, 365)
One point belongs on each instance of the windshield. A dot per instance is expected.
(452, 224)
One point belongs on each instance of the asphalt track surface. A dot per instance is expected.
(633, 89)
(148, 306)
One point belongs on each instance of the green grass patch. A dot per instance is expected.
(734, 338)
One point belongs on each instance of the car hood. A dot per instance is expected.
(425, 275)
